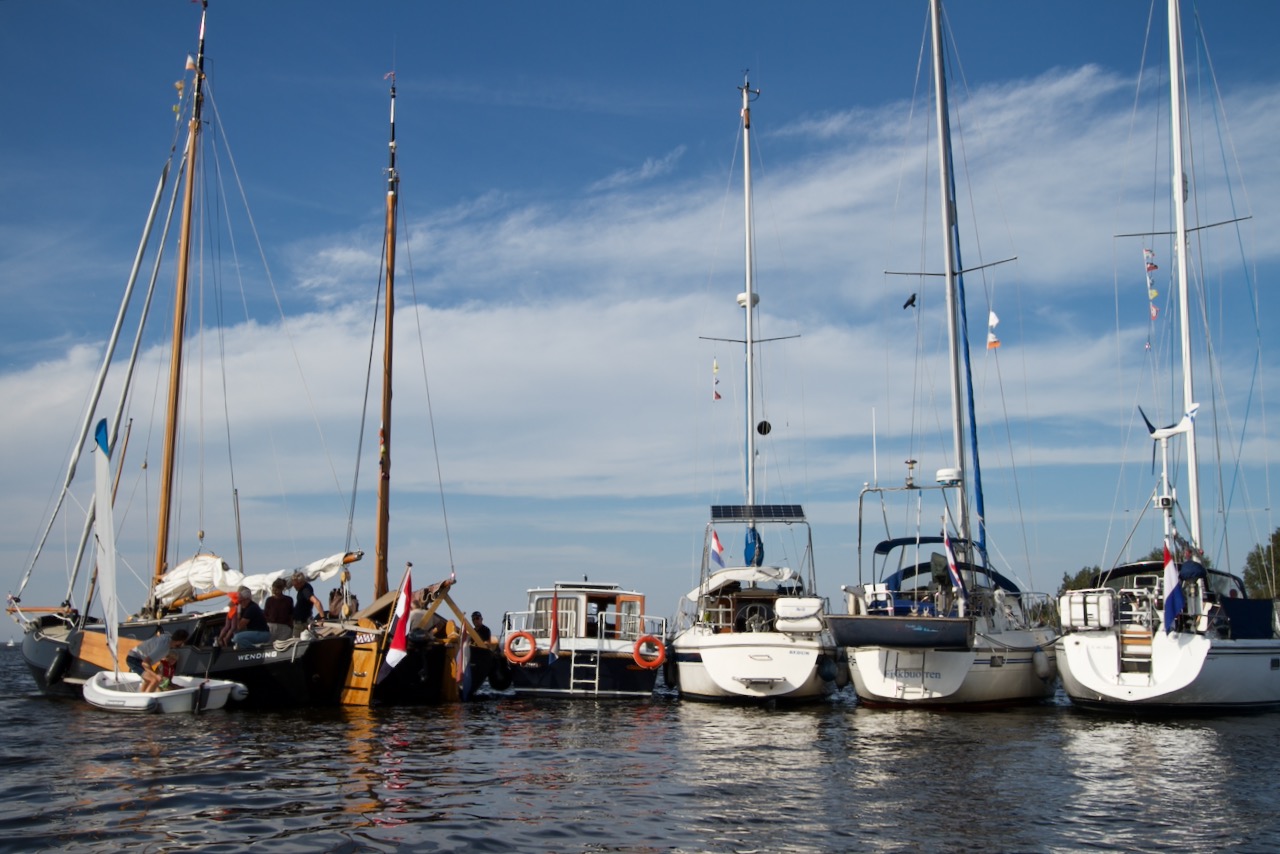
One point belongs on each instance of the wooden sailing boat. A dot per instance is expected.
(932, 622)
(752, 631)
(394, 663)
(64, 647)
(1172, 635)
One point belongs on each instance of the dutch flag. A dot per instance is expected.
(717, 550)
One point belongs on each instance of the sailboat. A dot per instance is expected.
(752, 631)
(930, 621)
(393, 662)
(1172, 635)
(63, 646)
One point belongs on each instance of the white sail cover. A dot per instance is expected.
(206, 573)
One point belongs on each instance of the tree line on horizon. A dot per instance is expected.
(1259, 570)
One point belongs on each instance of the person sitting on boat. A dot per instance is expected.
(143, 657)
(231, 623)
(252, 623)
(279, 612)
(306, 600)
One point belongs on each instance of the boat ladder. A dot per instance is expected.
(584, 671)
(1135, 649)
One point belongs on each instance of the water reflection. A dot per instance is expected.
(532, 776)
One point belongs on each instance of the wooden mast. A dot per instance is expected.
(384, 432)
(179, 317)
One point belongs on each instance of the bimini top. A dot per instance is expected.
(896, 579)
(741, 574)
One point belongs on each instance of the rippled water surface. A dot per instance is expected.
(505, 774)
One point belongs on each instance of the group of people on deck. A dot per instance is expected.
(279, 618)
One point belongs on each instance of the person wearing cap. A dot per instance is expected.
(482, 630)
(251, 623)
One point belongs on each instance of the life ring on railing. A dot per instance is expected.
(649, 663)
(520, 658)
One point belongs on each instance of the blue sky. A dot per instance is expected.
(571, 190)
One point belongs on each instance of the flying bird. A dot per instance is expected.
(910, 302)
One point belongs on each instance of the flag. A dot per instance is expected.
(399, 621)
(1151, 267)
(992, 322)
(462, 663)
(717, 549)
(553, 649)
(952, 568)
(1174, 599)
(715, 370)
(1154, 311)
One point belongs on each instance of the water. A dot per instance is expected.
(506, 774)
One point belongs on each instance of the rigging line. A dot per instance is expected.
(1226, 142)
(368, 383)
(275, 294)
(422, 355)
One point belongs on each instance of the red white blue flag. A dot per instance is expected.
(952, 568)
(717, 550)
(400, 619)
(1174, 598)
(553, 650)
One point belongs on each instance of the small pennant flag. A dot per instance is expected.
(992, 322)
(715, 371)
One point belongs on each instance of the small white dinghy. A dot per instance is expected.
(122, 692)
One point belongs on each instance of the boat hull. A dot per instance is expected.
(901, 632)
(1188, 672)
(571, 674)
(294, 673)
(752, 666)
(978, 676)
(121, 692)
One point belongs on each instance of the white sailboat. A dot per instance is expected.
(752, 631)
(931, 622)
(1170, 635)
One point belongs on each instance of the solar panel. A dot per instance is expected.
(757, 512)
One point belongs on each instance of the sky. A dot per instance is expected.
(572, 236)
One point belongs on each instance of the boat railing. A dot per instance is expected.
(625, 626)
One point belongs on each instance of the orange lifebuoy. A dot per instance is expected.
(649, 663)
(520, 658)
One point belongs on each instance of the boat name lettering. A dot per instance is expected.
(912, 674)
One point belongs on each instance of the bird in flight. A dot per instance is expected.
(910, 302)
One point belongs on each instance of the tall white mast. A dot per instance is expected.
(1180, 253)
(748, 299)
(949, 260)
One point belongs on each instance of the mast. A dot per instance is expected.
(179, 316)
(749, 299)
(384, 432)
(949, 260)
(1180, 253)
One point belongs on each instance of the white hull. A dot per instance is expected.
(983, 675)
(121, 692)
(751, 666)
(1187, 671)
